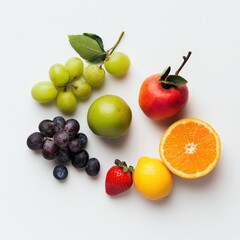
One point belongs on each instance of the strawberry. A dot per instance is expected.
(118, 178)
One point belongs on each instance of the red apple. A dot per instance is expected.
(162, 95)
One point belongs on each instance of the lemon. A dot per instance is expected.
(152, 178)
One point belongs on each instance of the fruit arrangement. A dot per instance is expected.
(60, 140)
(189, 148)
(74, 81)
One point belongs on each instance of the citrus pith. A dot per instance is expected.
(190, 148)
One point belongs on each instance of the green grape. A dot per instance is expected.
(58, 74)
(117, 64)
(81, 89)
(74, 67)
(94, 75)
(66, 101)
(44, 92)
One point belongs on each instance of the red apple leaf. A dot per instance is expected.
(165, 73)
(176, 80)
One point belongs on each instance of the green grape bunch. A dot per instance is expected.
(74, 81)
(65, 86)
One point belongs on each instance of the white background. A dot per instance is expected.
(33, 36)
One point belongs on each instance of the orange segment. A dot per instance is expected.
(190, 148)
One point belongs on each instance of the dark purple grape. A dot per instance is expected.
(83, 139)
(60, 172)
(59, 123)
(49, 150)
(93, 167)
(35, 141)
(72, 127)
(75, 145)
(80, 159)
(61, 139)
(64, 155)
(46, 127)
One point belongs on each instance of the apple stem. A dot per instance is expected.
(185, 59)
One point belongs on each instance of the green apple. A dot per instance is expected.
(109, 116)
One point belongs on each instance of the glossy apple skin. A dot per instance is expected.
(159, 103)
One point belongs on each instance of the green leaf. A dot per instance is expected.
(165, 73)
(176, 80)
(87, 48)
(97, 59)
(96, 38)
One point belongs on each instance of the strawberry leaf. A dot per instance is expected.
(176, 81)
(88, 48)
(118, 162)
(131, 169)
(125, 169)
(123, 165)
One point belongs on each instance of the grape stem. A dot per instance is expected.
(185, 59)
(110, 51)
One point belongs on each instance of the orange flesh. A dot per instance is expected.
(201, 151)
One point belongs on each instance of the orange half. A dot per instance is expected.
(190, 148)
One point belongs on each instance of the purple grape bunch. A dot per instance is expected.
(61, 140)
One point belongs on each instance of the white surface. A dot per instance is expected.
(33, 35)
